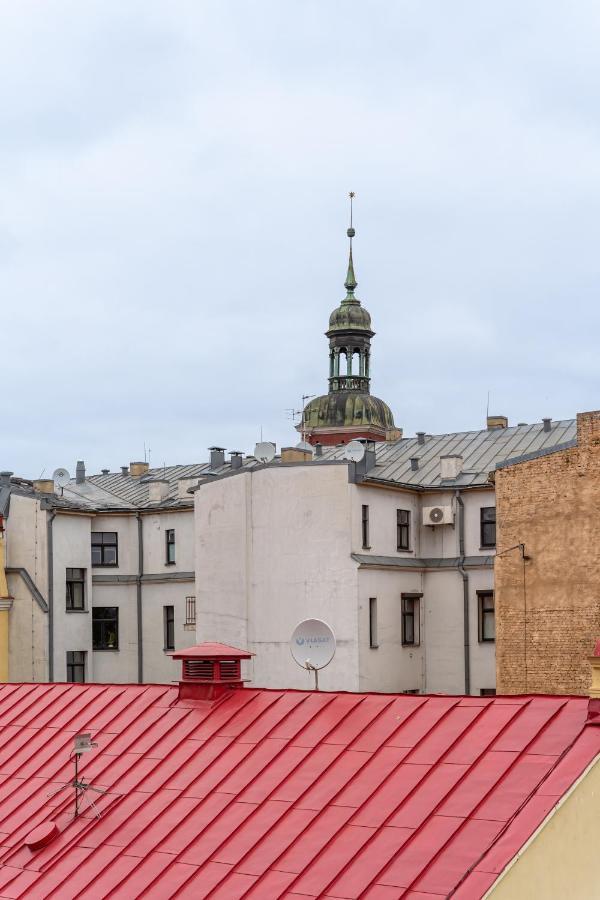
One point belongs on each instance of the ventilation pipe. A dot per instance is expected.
(80, 472)
(318, 449)
(414, 463)
(547, 424)
(105, 471)
(236, 459)
(217, 457)
(420, 437)
(209, 671)
(124, 471)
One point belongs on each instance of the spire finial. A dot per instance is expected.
(350, 283)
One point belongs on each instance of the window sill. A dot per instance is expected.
(487, 549)
(105, 565)
(373, 646)
(366, 548)
(410, 552)
(105, 649)
(168, 651)
(410, 646)
(171, 563)
(79, 611)
(189, 626)
(487, 640)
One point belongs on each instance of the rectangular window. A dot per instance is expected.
(488, 526)
(373, 623)
(410, 619)
(105, 628)
(76, 589)
(190, 610)
(487, 692)
(365, 527)
(403, 529)
(170, 542)
(76, 666)
(169, 627)
(105, 548)
(487, 616)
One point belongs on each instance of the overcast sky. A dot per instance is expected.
(173, 209)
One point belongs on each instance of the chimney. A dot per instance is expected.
(496, 422)
(414, 463)
(80, 472)
(105, 471)
(138, 469)
(209, 671)
(183, 484)
(44, 485)
(450, 466)
(124, 471)
(236, 459)
(420, 437)
(547, 424)
(217, 457)
(295, 454)
(318, 449)
(5, 478)
(158, 489)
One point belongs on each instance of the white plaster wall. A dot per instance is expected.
(382, 505)
(120, 665)
(26, 547)
(126, 528)
(273, 548)
(390, 667)
(154, 527)
(443, 631)
(473, 501)
(159, 666)
(438, 540)
(72, 630)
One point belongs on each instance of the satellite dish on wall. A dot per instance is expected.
(354, 451)
(61, 477)
(265, 451)
(312, 645)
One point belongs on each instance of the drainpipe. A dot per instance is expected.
(50, 552)
(140, 654)
(465, 580)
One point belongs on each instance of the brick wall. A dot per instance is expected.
(548, 607)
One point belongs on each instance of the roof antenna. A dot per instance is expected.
(487, 411)
(82, 743)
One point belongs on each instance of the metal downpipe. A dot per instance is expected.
(465, 580)
(50, 553)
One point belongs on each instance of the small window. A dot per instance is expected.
(410, 619)
(76, 589)
(365, 527)
(170, 546)
(76, 666)
(403, 529)
(487, 692)
(105, 548)
(105, 628)
(169, 627)
(373, 623)
(190, 610)
(487, 616)
(488, 526)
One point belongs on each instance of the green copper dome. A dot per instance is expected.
(343, 409)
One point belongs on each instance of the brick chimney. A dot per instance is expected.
(208, 671)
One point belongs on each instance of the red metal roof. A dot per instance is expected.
(270, 794)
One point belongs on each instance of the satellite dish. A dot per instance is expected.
(61, 477)
(265, 451)
(354, 451)
(304, 445)
(313, 645)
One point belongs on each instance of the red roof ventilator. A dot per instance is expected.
(209, 671)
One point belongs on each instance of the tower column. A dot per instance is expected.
(331, 363)
(348, 363)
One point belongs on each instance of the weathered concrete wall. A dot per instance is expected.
(548, 607)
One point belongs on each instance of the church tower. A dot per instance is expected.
(348, 411)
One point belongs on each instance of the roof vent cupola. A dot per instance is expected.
(210, 670)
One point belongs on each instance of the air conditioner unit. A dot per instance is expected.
(438, 515)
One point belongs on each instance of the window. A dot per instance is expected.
(105, 628)
(190, 610)
(76, 589)
(487, 617)
(410, 619)
(76, 666)
(373, 623)
(170, 548)
(365, 527)
(105, 548)
(487, 692)
(169, 627)
(488, 526)
(403, 529)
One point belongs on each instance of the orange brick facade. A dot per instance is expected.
(548, 607)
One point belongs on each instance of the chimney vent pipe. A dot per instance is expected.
(420, 437)
(547, 424)
(414, 463)
(124, 471)
(236, 459)
(80, 472)
(217, 457)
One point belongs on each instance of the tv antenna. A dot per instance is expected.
(82, 744)
(312, 645)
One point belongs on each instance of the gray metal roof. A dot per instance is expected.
(481, 452)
